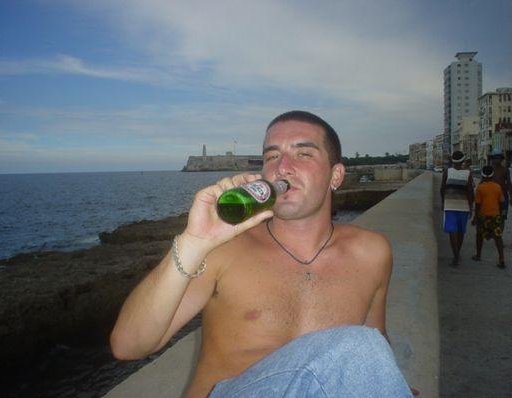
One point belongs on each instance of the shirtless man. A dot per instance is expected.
(257, 293)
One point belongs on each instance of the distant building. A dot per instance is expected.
(502, 140)
(227, 162)
(466, 138)
(438, 151)
(495, 123)
(469, 125)
(417, 156)
(469, 146)
(429, 155)
(462, 88)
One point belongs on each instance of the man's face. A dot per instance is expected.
(296, 151)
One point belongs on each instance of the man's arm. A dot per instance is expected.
(478, 201)
(443, 184)
(471, 193)
(166, 299)
(508, 183)
(476, 213)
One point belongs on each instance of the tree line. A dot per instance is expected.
(359, 160)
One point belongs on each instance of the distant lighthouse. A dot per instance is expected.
(204, 151)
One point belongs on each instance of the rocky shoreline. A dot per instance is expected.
(53, 298)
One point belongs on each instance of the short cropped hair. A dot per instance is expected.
(458, 157)
(331, 139)
(487, 171)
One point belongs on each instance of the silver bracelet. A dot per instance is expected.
(179, 266)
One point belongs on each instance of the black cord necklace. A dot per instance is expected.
(291, 254)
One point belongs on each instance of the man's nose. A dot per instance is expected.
(285, 166)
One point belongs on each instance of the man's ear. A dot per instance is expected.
(338, 174)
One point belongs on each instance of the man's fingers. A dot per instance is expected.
(253, 221)
(208, 195)
(225, 184)
(237, 180)
(253, 177)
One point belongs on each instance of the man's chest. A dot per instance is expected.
(292, 297)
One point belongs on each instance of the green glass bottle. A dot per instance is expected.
(238, 204)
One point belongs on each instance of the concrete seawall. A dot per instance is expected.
(405, 217)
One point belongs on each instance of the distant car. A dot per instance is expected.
(364, 179)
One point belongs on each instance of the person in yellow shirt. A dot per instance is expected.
(488, 218)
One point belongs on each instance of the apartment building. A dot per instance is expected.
(417, 156)
(437, 151)
(462, 88)
(495, 124)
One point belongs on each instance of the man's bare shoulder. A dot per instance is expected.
(360, 235)
(366, 245)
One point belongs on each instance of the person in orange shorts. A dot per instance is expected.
(488, 218)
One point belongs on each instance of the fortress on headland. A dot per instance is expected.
(227, 162)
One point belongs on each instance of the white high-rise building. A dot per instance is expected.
(462, 88)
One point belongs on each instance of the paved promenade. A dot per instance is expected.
(475, 309)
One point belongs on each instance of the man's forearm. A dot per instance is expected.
(148, 311)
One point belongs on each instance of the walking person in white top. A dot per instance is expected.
(458, 196)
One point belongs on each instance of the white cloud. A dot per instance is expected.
(70, 65)
(343, 50)
(324, 50)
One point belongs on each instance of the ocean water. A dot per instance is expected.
(67, 211)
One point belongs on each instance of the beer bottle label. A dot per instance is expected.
(259, 190)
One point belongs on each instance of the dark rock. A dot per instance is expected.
(146, 231)
(49, 298)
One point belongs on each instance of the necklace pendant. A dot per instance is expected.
(308, 276)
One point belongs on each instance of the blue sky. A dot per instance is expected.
(111, 85)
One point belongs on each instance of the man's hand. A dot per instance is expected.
(205, 228)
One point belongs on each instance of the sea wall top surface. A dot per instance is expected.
(405, 217)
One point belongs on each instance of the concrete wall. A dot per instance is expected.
(396, 174)
(389, 174)
(405, 217)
